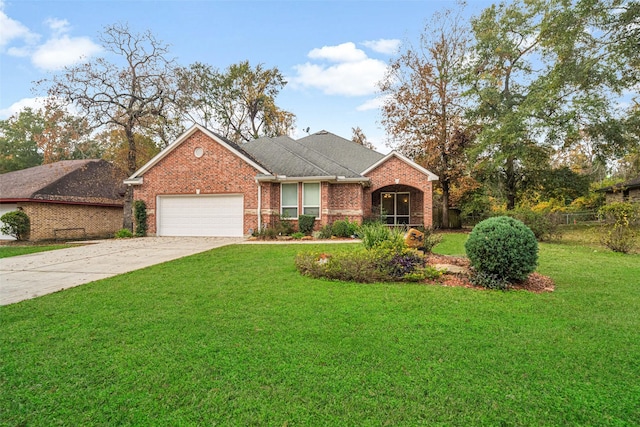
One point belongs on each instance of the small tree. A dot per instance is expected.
(140, 215)
(16, 224)
(617, 232)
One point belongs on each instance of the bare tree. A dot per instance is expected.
(422, 111)
(136, 94)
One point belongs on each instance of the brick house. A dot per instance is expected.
(67, 199)
(205, 185)
(628, 191)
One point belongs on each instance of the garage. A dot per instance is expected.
(200, 215)
(4, 208)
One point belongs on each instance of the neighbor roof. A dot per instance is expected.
(92, 181)
(631, 184)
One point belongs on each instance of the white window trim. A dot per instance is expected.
(319, 198)
(297, 205)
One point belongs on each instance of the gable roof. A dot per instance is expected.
(136, 178)
(631, 184)
(431, 175)
(321, 156)
(92, 181)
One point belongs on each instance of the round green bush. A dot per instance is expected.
(503, 247)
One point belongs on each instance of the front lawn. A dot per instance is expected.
(10, 250)
(236, 336)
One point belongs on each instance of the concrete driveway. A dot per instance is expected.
(29, 276)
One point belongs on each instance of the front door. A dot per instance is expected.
(396, 207)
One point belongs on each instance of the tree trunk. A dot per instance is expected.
(511, 184)
(445, 205)
(131, 166)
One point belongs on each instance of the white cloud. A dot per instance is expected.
(345, 52)
(58, 26)
(34, 103)
(386, 46)
(372, 104)
(11, 30)
(57, 53)
(352, 72)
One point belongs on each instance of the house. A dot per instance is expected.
(67, 199)
(205, 185)
(628, 191)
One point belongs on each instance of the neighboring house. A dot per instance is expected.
(628, 191)
(67, 199)
(205, 185)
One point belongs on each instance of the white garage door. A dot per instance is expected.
(4, 208)
(200, 215)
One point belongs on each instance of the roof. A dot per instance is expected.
(321, 154)
(631, 184)
(92, 181)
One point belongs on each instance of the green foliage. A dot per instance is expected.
(544, 226)
(140, 217)
(298, 235)
(504, 247)
(18, 146)
(266, 233)
(344, 228)
(305, 224)
(16, 224)
(283, 226)
(325, 232)
(489, 280)
(618, 233)
(355, 266)
(430, 239)
(124, 233)
(374, 233)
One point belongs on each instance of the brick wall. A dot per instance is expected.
(66, 221)
(394, 169)
(218, 171)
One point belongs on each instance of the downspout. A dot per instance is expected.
(259, 206)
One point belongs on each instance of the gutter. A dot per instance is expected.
(321, 178)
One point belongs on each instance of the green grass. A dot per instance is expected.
(236, 337)
(16, 250)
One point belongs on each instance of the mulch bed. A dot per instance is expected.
(536, 282)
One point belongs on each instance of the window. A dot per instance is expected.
(396, 207)
(311, 199)
(289, 200)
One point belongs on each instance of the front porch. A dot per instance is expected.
(400, 206)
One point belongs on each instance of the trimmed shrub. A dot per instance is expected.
(504, 247)
(325, 232)
(297, 235)
(305, 224)
(140, 215)
(16, 224)
(123, 233)
(344, 228)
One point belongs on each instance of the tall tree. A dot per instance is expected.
(18, 140)
(64, 136)
(422, 111)
(136, 94)
(540, 78)
(238, 103)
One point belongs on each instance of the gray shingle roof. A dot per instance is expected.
(320, 154)
(82, 181)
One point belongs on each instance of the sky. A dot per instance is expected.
(332, 53)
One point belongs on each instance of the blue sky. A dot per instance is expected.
(331, 52)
